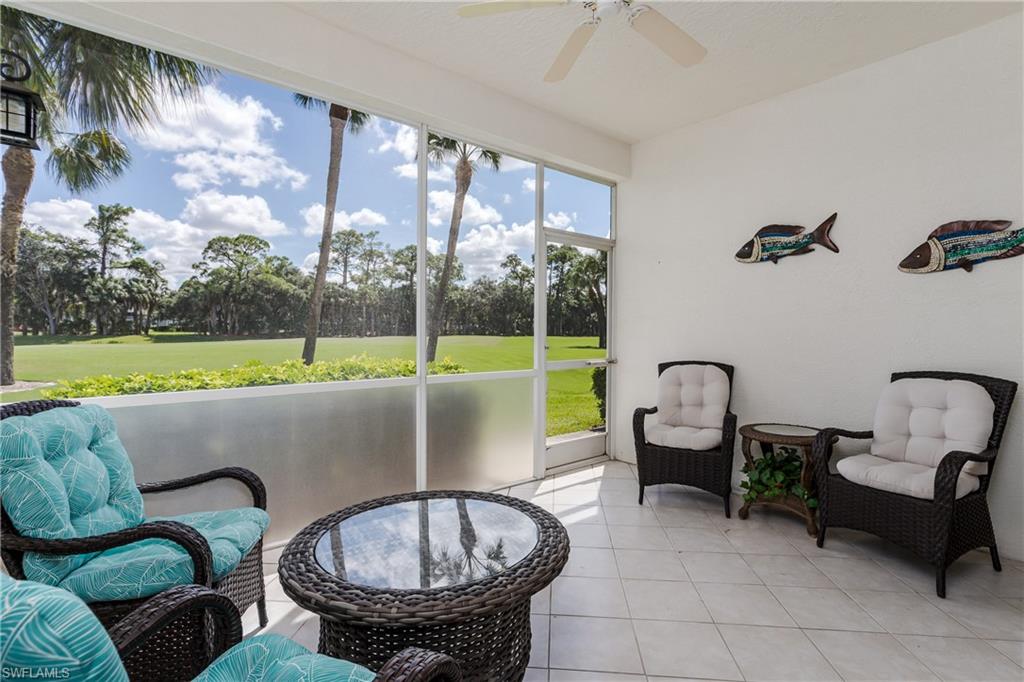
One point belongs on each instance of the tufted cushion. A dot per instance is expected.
(693, 395)
(273, 658)
(685, 437)
(905, 478)
(65, 474)
(48, 633)
(920, 420)
(145, 568)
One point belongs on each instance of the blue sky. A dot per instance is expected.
(245, 158)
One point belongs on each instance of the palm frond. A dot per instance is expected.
(307, 102)
(491, 158)
(88, 160)
(357, 120)
(441, 148)
(104, 82)
(26, 35)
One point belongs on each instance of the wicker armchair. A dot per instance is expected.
(935, 505)
(694, 436)
(243, 586)
(78, 644)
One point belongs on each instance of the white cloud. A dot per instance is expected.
(561, 220)
(511, 163)
(530, 184)
(484, 247)
(66, 217)
(473, 212)
(396, 137)
(218, 138)
(212, 211)
(442, 173)
(434, 245)
(506, 199)
(313, 219)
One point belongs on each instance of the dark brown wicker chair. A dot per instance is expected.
(244, 586)
(709, 470)
(938, 530)
(191, 602)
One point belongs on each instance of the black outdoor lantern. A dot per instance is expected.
(20, 106)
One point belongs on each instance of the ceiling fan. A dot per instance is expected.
(647, 21)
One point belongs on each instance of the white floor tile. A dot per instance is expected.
(698, 540)
(631, 516)
(570, 514)
(792, 571)
(743, 605)
(868, 656)
(988, 617)
(588, 535)
(718, 568)
(1012, 650)
(602, 597)
(776, 654)
(961, 659)
(908, 614)
(541, 602)
(536, 675)
(824, 609)
(540, 627)
(591, 562)
(646, 564)
(600, 644)
(759, 541)
(671, 517)
(580, 493)
(638, 537)
(859, 574)
(664, 600)
(582, 676)
(684, 649)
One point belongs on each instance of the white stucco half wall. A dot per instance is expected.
(897, 148)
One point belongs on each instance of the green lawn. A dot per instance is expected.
(571, 405)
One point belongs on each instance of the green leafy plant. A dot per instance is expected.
(776, 475)
(252, 373)
(598, 384)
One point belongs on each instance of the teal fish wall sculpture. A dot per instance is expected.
(964, 244)
(778, 241)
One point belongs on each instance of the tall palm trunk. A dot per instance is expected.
(463, 178)
(467, 534)
(339, 118)
(19, 168)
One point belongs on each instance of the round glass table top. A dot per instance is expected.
(785, 429)
(426, 543)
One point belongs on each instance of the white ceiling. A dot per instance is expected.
(624, 87)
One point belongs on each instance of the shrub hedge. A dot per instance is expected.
(252, 373)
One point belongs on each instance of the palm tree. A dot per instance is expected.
(340, 117)
(466, 156)
(91, 85)
(589, 274)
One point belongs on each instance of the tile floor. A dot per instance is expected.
(671, 589)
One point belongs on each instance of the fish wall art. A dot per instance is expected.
(778, 241)
(964, 244)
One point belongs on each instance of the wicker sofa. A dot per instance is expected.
(51, 541)
(923, 483)
(691, 439)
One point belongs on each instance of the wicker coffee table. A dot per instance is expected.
(448, 571)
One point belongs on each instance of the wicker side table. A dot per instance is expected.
(792, 435)
(448, 571)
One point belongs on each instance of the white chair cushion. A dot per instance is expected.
(685, 437)
(905, 478)
(920, 420)
(693, 395)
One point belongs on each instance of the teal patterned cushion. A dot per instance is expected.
(148, 567)
(272, 658)
(65, 474)
(48, 633)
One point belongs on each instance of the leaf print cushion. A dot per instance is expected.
(148, 567)
(273, 658)
(64, 474)
(48, 633)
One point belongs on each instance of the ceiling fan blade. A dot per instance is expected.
(666, 36)
(571, 51)
(483, 9)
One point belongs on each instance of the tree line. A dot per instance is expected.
(101, 284)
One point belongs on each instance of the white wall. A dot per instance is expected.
(897, 148)
(280, 44)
